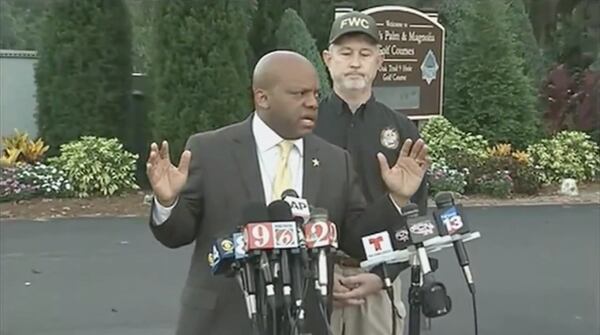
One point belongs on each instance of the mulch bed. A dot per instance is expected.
(133, 204)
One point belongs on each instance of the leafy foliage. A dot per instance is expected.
(569, 154)
(19, 148)
(199, 69)
(24, 181)
(450, 145)
(486, 91)
(97, 166)
(498, 184)
(83, 75)
(293, 35)
(442, 178)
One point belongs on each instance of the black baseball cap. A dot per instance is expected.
(353, 22)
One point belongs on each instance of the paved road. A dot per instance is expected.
(537, 271)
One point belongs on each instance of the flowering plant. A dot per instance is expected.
(442, 178)
(24, 181)
(498, 184)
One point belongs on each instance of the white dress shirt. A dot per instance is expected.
(268, 156)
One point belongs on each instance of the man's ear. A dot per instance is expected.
(326, 57)
(261, 98)
(379, 56)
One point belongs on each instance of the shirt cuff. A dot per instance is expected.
(160, 214)
(396, 205)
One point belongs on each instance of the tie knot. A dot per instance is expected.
(285, 146)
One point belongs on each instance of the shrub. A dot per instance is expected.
(19, 148)
(569, 154)
(83, 76)
(199, 72)
(498, 184)
(293, 34)
(97, 166)
(485, 88)
(24, 181)
(442, 178)
(47, 180)
(11, 188)
(526, 177)
(453, 147)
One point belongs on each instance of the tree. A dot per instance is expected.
(319, 16)
(141, 19)
(198, 68)
(486, 91)
(83, 75)
(364, 4)
(20, 23)
(264, 23)
(525, 42)
(293, 35)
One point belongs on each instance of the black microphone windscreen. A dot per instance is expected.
(255, 212)
(280, 210)
(289, 193)
(443, 199)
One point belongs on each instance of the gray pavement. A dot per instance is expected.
(537, 271)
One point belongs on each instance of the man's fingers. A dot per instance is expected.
(164, 151)
(415, 152)
(425, 163)
(339, 288)
(184, 162)
(405, 150)
(153, 154)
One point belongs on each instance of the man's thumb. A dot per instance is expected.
(383, 163)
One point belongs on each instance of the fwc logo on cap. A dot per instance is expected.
(355, 22)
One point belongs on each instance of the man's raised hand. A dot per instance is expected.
(404, 177)
(166, 179)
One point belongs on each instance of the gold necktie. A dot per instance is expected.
(283, 177)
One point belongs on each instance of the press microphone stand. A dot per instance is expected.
(414, 297)
(415, 293)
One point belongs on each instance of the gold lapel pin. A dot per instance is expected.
(315, 162)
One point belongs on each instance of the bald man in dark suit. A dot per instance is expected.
(223, 170)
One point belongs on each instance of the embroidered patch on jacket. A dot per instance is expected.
(390, 138)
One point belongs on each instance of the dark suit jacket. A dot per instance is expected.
(224, 176)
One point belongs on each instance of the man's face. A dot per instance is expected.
(353, 61)
(290, 106)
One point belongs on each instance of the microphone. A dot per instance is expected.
(420, 229)
(299, 207)
(301, 213)
(245, 276)
(253, 212)
(321, 236)
(300, 210)
(451, 221)
(378, 248)
(222, 256)
(435, 301)
(280, 211)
